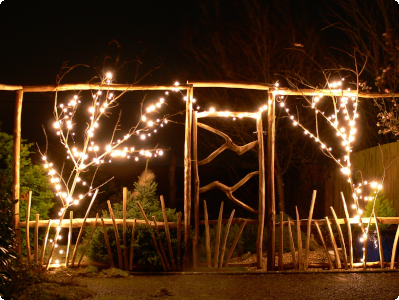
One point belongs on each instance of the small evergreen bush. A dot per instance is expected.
(144, 250)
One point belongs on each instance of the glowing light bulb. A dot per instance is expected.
(92, 109)
(109, 75)
(212, 110)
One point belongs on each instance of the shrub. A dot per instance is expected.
(143, 248)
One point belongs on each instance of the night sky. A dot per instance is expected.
(37, 37)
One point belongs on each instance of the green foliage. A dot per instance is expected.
(32, 178)
(383, 208)
(7, 238)
(143, 248)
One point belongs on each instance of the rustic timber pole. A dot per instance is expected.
(262, 192)
(16, 166)
(196, 192)
(271, 205)
(187, 178)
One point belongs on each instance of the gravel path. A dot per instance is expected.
(374, 285)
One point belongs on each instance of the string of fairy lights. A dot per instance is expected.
(343, 121)
(90, 153)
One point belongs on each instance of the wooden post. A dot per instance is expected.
(324, 246)
(187, 178)
(165, 220)
(124, 203)
(271, 204)
(379, 241)
(36, 239)
(165, 257)
(28, 254)
(88, 241)
(309, 229)
(395, 244)
(349, 230)
(131, 256)
(292, 245)
(111, 260)
(16, 166)
(299, 238)
(69, 238)
(262, 192)
(341, 237)
(280, 246)
(237, 237)
(226, 235)
(81, 229)
(196, 192)
(118, 243)
(178, 240)
(45, 242)
(217, 238)
(208, 238)
(337, 259)
(152, 235)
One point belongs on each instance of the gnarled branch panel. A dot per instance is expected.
(229, 190)
(228, 145)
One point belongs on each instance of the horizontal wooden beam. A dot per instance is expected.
(77, 223)
(332, 92)
(5, 87)
(382, 220)
(97, 86)
(226, 114)
(231, 84)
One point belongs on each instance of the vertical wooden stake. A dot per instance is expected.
(237, 237)
(124, 203)
(16, 166)
(262, 192)
(187, 177)
(152, 235)
(299, 238)
(111, 260)
(226, 235)
(395, 245)
(36, 239)
(165, 257)
(365, 253)
(179, 240)
(309, 228)
(337, 258)
(131, 256)
(28, 254)
(379, 240)
(280, 246)
(208, 238)
(196, 193)
(341, 238)
(324, 246)
(82, 228)
(217, 238)
(88, 241)
(165, 220)
(45, 242)
(349, 230)
(69, 238)
(292, 245)
(118, 243)
(271, 203)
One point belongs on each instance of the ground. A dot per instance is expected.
(226, 283)
(374, 285)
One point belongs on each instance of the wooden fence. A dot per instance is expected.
(371, 162)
